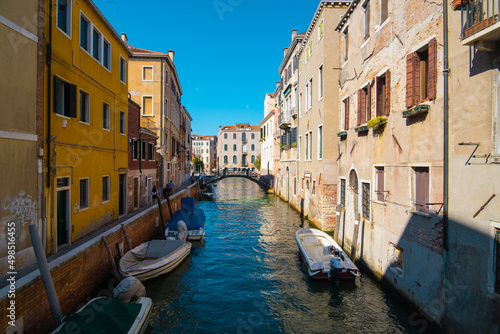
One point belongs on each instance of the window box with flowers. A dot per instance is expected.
(377, 122)
(342, 135)
(361, 128)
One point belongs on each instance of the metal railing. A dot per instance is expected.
(478, 15)
(284, 119)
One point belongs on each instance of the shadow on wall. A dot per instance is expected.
(455, 291)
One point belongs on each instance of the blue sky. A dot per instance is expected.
(227, 52)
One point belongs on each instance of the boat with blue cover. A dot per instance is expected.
(192, 216)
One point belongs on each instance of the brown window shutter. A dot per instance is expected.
(387, 96)
(422, 188)
(378, 96)
(432, 68)
(410, 76)
(361, 106)
(347, 103)
(416, 79)
(368, 108)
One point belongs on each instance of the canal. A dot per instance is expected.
(247, 277)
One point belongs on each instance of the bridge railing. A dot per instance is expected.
(264, 181)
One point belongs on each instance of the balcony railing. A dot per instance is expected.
(284, 120)
(480, 22)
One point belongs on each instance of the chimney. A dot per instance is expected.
(277, 84)
(284, 51)
(294, 33)
(124, 37)
(171, 54)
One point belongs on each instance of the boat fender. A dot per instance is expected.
(183, 231)
(129, 290)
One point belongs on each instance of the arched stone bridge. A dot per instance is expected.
(265, 183)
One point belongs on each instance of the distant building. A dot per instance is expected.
(155, 86)
(142, 162)
(267, 131)
(205, 148)
(238, 145)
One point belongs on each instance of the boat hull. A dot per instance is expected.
(311, 243)
(153, 268)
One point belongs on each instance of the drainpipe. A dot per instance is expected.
(49, 113)
(446, 72)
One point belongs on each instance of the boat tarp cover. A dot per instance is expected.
(102, 315)
(193, 216)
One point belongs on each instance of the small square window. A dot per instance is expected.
(147, 73)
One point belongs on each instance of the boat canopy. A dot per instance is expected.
(193, 216)
(108, 316)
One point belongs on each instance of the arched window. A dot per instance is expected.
(225, 147)
(235, 159)
(253, 147)
(225, 159)
(253, 158)
(234, 147)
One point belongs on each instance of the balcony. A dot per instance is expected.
(244, 150)
(480, 23)
(284, 120)
(148, 123)
(293, 112)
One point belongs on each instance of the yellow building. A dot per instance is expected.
(86, 105)
(19, 81)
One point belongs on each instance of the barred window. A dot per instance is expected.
(342, 192)
(366, 200)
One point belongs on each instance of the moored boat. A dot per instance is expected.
(154, 258)
(323, 257)
(192, 216)
(108, 315)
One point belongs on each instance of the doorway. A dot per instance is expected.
(62, 217)
(136, 192)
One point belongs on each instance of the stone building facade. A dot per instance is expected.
(390, 150)
(238, 145)
(267, 135)
(205, 148)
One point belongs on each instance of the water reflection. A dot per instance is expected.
(247, 277)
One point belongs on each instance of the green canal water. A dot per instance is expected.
(247, 277)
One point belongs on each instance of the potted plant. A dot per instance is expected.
(294, 144)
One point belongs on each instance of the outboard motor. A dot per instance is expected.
(336, 268)
(182, 229)
(129, 290)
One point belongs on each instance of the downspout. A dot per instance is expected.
(446, 72)
(162, 116)
(49, 113)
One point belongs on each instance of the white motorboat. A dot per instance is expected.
(323, 257)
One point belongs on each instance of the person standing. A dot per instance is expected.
(170, 187)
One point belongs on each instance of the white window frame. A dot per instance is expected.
(124, 122)
(345, 38)
(123, 70)
(343, 113)
(152, 73)
(80, 193)
(152, 106)
(309, 94)
(100, 43)
(108, 128)
(109, 191)
(375, 187)
(365, 5)
(320, 81)
(320, 143)
(89, 34)
(68, 19)
(387, 9)
(165, 111)
(105, 40)
(87, 111)
(321, 33)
